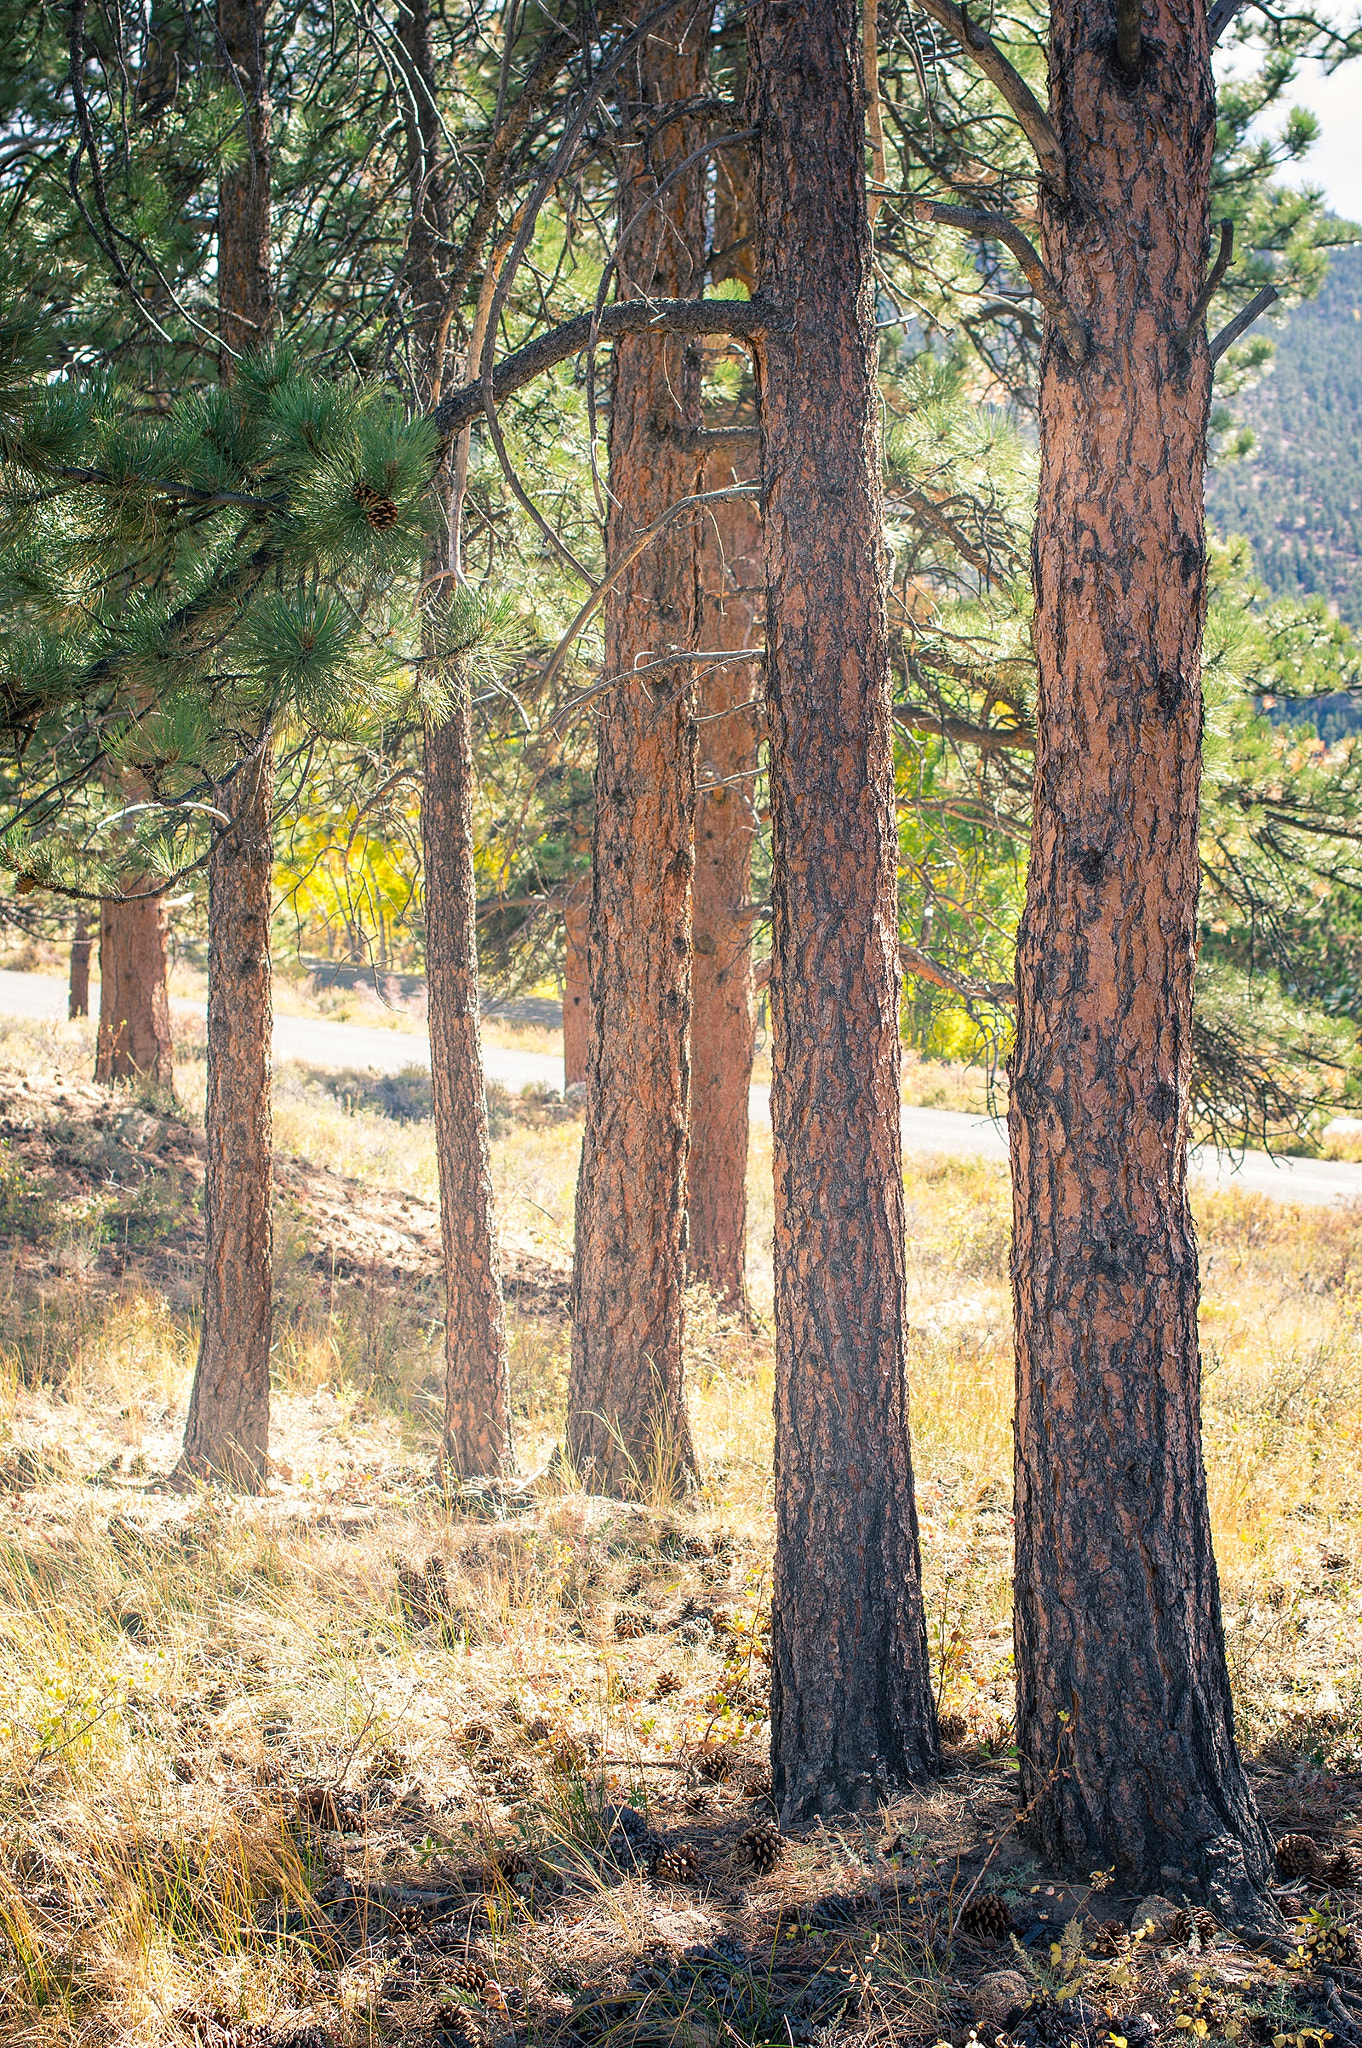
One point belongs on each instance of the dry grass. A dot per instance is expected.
(235, 1742)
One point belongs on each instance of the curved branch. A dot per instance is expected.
(996, 227)
(1035, 122)
(1209, 289)
(740, 317)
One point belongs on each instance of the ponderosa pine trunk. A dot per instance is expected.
(723, 1029)
(78, 985)
(627, 1428)
(227, 1435)
(134, 1042)
(1124, 1720)
(476, 1440)
(852, 1713)
(576, 981)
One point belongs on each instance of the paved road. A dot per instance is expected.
(317, 1042)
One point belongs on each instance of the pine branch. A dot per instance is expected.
(1241, 321)
(989, 738)
(1209, 289)
(742, 318)
(1035, 122)
(996, 227)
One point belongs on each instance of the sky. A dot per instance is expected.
(1335, 162)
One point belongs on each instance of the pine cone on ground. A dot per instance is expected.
(1339, 1869)
(665, 1685)
(952, 1728)
(677, 1864)
(697, 1801)
(630, 1624)
(477, 1735)
(538, 1729)
(513, 1781)
(1181, 1925)
(760, 1847)
(1107, 1940)
(1298, 1856)
(450, 2025)
(468, 1976)
(758, 1786)
(716, 1765)
(986, 1917)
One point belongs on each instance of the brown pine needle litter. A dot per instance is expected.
(372, 1760)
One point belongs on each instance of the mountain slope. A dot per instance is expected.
(1298, 495)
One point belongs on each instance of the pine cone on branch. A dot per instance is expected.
(377, 507)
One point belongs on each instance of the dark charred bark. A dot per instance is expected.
(576, 981)
(1124, 1719)
(627, 1429)
(723, 1025)
(78, 993)
(851, 1709)
(227, 1434)
(477, 1429)
(134, 1042)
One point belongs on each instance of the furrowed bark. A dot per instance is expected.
(576, 982)
(852, 1713)
(476, 1440)
(134, 1042)
(227, 1435)
(78, 991)
(477, 1430)
(627, 1429)
(723, 1024)
(1124, 1718)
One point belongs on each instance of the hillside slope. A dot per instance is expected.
(1298, 495)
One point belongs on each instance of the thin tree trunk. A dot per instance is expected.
(78, 994)
(1124, 1718)
(477, 1432)
(723, 1031)
(477, 1428)
(576, 981)
(852, 1713)
(627, 1428)
(134, 1042)
(227, 1434)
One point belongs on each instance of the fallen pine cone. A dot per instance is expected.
(986, 1917)
(469, 1976)
(1181, 1925)
(666, 1684)
(1298, 1856)
(759, 1847)
(678, 1864)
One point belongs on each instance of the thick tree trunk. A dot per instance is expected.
(227, 1434)
(477, 1432)
(1124, 1720)
(722, 1026)
(78, 988)
(134, 1042)
(476, 1439)
(627, 1429)
(851, 1710)
(576, 981)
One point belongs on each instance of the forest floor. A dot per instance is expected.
(363, 1761)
